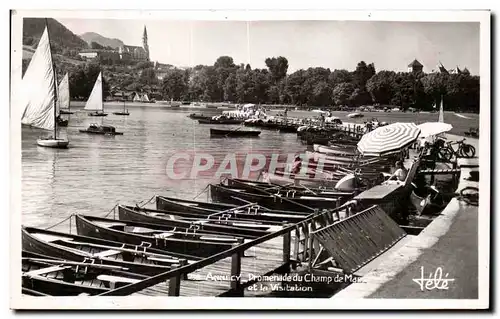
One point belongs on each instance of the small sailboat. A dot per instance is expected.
(441, 112)
(145, 98)
(94, 103)
(40, 84)
(124, 112)
(64, 98)
(137, 97)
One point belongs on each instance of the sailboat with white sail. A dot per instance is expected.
(40, 86)
(94, 103)
(64, 99)
(441, 112)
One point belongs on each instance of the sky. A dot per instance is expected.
(329, 44)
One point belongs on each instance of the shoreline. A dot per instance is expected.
(272, 108)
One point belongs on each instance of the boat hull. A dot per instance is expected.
(62, 278)
(233, 133)
(52, 143)
(212, 121)
(121, 113)
(244, 214)
(299, 204)
(100, 133)
(32, 244)
(98, 114)
(62, 123)
(138, 215)
(333, 150)
(65, 112)
(88, 227)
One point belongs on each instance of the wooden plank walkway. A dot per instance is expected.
(257, 261)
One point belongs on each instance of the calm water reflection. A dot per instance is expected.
(97, 172)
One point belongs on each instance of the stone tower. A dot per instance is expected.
(145, 42)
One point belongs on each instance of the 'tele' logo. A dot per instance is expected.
(434, 281)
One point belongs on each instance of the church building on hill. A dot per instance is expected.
(136, 53)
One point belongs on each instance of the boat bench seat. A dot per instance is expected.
(107, 253)
(165, 260)
(164, 235)
(43, 271)
(117, 279)
(221, 239)
(319, 198)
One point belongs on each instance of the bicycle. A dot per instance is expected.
(470, 195)
(463, 150)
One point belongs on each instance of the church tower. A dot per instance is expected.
(145, 42)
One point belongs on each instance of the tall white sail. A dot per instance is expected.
(94, 103)
(137, 98)
(441, 112)
(39, 87)
(63, 94)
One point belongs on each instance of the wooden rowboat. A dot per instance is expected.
(137, 258)
(236, 214)
(158, 236)
(241, 196)
(55, 277)
(212, 226)
(285, 191)
(233, 133)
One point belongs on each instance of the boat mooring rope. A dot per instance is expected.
(142, 204)
(62, 221)
(113, 210)
(206, 187)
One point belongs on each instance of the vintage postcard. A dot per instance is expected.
(250, 159)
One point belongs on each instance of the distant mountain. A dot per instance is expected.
(90, 37)
(60, 37)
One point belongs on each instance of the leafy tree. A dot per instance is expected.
(342, 94)
(278, 67)
(224, 62)
(174, 85)
(230, 88)
(435, 85)
(381, 86)
(148, 77)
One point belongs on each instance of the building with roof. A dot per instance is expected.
(415, 66)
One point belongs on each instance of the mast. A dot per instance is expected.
(102, 92)
(55, 80)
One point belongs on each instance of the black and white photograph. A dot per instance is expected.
(274, 161)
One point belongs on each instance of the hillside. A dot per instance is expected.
(90, 37)
(61, 38)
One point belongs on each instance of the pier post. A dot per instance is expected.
(182, 263)
(236, 270)
(174, 284)
(296, 246)
(287, 240)
(310, 245)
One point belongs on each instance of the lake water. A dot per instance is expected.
(97, 172)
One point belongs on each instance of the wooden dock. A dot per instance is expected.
(213, 280)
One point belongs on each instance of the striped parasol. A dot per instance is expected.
(388, 139)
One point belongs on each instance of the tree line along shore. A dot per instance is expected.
(228, 82)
